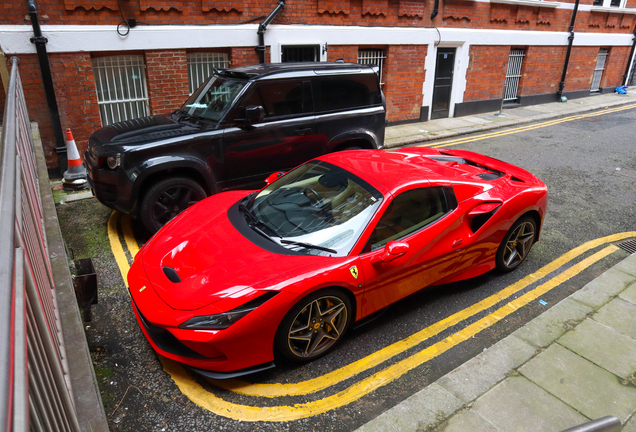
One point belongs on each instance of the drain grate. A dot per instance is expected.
(629, 246)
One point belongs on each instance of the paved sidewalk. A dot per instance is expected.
(574, 363)
(443, 128)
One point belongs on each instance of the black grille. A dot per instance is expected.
(166, 340)
(629, 246)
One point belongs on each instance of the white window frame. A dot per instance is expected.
(374, 57)
(202, 64)
(608, 4)
(122, 92)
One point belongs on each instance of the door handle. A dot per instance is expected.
(457, 242)
(303, 131)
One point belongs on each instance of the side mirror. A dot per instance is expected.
(392, 250)
(273, 177)
(254, 114)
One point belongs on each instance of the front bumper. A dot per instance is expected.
(111, 187)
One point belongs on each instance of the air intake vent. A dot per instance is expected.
(517, 179)
(629, 246)
(171, 274)
(491, 175)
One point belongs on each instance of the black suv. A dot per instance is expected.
(241, 125)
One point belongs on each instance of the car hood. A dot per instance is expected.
(212, 259)
(141, 131)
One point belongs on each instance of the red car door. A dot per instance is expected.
(423, 219)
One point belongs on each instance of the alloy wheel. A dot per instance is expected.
(518, 244)
(317, 327)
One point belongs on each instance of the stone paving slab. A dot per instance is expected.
(628, 265)
(519, 405)
(603, 346)
(589, 389)
(630, 425)
(467, 421)
(600, 290)
(629, 294)
(553, 323)
(477, 375)
(420, 412)
(620, 315)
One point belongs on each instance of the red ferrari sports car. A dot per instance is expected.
(243, 275)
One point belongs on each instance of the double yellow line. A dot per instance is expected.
(208, 400)
(453, 142)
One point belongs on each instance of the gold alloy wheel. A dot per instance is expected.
(518, 245)
(317, 327)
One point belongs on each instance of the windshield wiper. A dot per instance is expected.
(256, 221)
(308, 246)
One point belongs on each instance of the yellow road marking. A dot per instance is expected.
(129, 237)
(449, 143)
(115, 246)
(211, 402)
(271, 390)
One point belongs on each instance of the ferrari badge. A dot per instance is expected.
(354, 271)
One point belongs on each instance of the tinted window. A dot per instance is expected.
(281, 98)
(213, 98)
(345, 92)
(407, 213)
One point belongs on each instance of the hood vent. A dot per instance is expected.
(171, 274)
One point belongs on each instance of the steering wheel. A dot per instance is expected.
(318, 201)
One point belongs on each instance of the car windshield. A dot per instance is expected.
(213, 98)
(317, 209)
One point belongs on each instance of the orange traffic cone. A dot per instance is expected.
(75, 177)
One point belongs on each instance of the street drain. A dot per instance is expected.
(629, 246)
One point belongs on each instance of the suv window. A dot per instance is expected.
(407, 213)
(213, 98)
(279, 98)
(344, 92)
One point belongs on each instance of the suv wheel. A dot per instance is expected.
(166, 199)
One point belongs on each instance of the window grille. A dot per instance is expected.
(373, 57)
(300, 53)
(121, 88)
(202, 65)
(598, 69)
(513, 74)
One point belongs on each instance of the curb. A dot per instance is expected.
(504, 124)
(432, 407)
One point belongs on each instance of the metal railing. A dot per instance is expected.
(35, 392)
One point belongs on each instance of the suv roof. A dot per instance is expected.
(301, 69)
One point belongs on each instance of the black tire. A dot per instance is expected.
(166, 199)
(330, 330)
(516, 244)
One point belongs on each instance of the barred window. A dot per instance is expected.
(372, 57)
(202, 65)
(121, 88)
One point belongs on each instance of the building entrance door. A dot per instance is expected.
(443, 82)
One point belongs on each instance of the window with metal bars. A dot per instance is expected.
(372, 57)
(121, 88)
(300, 53)
(609, 3)
(202, 64)
(598, 69)
(513, 74)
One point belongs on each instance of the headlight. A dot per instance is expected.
(113, 161)
(224, 320)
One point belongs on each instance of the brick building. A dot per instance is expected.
(450, 63)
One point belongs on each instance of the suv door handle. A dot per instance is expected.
(303, 131)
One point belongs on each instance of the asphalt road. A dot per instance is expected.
(589, 166)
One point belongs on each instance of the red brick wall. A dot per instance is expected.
(167, 74)
(581, 68)
(615, 65)
(541, 70)
(76, 95)
(244, 56)
(486, 72)
(403, 77)
(349, 53)
(403, 13)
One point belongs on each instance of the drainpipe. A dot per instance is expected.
(629, 59)
(435, 10)
(567, 54)
(263, 26)
(45, 68)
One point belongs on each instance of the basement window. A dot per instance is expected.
(121, 88)
(202, 64)
(609, 3)
(372, 57)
